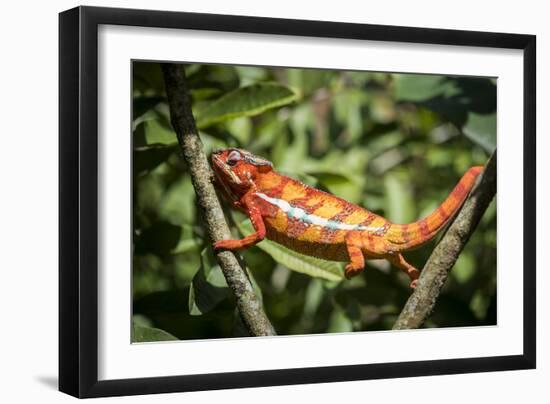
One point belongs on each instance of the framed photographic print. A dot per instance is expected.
(250, 201)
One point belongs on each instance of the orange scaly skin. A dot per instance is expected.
(319, 224)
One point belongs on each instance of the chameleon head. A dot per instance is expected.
(236, 170)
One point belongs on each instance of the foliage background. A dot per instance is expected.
(393, 143)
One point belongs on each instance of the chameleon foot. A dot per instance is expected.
(399, 261)
(227, 245)
(351, 270)
(357, 260)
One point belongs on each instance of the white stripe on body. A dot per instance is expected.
(300, 214)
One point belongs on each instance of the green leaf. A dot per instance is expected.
(250, 74)
(241, 129)
(148, 158)
(347, 111)
(178, 203)
(208, 287)
(268, 130)
(255, 285)
(187, 264)
(313, 298)
(147, 275)
(297, 262)
(200, 94)
(482, 129)
(421, 87)
(188, 242)
(142, 320)
(464, 267)
(142, 333)
(289, 156)
(158, 133)
(144, 104)
(399, 199)
(390, 140)
(456, 99)
(340, 184)
(308, 81)
(382, 109)
(245, 101)
(339, 321)
(479, 304)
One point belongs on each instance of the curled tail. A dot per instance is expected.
(408, 236)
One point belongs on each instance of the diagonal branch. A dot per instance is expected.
(248, 304)
(435, 272)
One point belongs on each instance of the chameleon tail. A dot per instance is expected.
(407, 236)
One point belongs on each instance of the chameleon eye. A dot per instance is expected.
(233, 158)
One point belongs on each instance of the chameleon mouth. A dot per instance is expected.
(221, 167)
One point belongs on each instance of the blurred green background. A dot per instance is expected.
(393, 143)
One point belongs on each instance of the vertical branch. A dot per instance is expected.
(248, 304)
(435, 272)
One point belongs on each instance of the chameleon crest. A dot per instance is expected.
(319, 224)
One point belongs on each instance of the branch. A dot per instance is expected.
(435, 272)
(248, 304)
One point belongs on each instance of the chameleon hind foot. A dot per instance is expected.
(399, 261)
(350, 271)
(357, 261)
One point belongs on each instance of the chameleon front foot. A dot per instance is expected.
(228, 245)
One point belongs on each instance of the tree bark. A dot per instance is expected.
(422, 301)
(181, 115)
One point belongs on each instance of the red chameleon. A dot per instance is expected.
(319, 224)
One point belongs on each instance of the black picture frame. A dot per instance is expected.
(78, 200)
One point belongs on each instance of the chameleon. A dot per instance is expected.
(319, 224)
